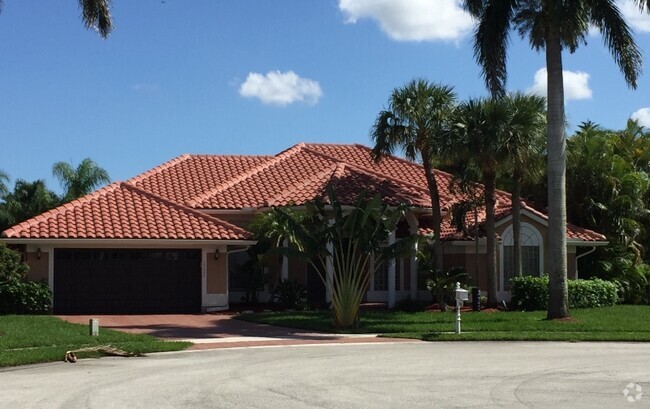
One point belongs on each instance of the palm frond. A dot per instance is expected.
(96, 14)
(491, 40)
(618, 38)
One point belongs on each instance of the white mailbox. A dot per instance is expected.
(461, 294)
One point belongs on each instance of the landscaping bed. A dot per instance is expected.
(29, 339)
(617, 323)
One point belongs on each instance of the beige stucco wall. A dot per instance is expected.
(38, 268)
(217, 274)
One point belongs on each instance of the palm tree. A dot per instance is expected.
(96, 14)
(524, 144)
(27, 200)
(552, 25)
(415, 122)
(480, 126)
(80, 181)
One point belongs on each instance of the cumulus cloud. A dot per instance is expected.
(637, 20)
(642, 116)
(280, 88)
(576, 84)
(412, 20)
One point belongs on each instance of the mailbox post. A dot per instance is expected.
(461, 295)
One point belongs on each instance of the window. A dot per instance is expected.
(531, 253)
(381, 277)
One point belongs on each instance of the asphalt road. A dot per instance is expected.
(414, 375)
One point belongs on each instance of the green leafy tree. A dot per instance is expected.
(28, 199)
(96, 15)
(608, 180)
(350, 239)
(552, 26)
(80, 181)
(416, 121)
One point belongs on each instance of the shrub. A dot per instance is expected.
(289, 294)
(531, 293)
(410, 305)
(17, 295)
(592, 293)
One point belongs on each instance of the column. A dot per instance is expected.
(391, 274)
(284, 272)
(413, 261)
(413, 268)
(329, 270)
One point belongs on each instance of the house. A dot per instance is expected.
(173, 239)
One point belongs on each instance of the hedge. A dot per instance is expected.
(531, 293)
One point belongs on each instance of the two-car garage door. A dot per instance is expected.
(127, 281)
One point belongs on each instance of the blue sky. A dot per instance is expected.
(248, 77)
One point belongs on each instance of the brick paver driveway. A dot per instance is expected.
(218, 330)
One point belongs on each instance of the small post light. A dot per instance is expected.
(93, 327)
(461, 295)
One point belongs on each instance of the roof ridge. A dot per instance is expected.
(332, 170)
(242, 176)
(370, 171)
(158, 169)
(111, 187)
(183, 208)
(228, 155)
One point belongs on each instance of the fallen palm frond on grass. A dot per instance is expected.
(30, 339)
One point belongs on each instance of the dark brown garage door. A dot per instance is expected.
(126, 281)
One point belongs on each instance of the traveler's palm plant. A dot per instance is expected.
(351, 238)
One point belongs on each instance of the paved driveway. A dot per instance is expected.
(420, 375)
(218, 330)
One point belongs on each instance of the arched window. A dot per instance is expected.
(532, 253)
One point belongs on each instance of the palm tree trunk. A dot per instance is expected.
(489, 179)
(557, 256)
(435, 207)
(516, 221)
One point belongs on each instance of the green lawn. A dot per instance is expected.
(28, 339)
(618, 323)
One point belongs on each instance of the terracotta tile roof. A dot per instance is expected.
(347, 181)
(123, 211)
(188, 176)
(156, 204)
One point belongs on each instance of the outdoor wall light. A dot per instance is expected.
(216, 254)
(38, 253)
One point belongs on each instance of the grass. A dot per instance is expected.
(618, 323)
(29, 339)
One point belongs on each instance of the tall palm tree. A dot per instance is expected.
(416, 121)
(96, 14)
(80, 181)
(524, 144)
(552, 25)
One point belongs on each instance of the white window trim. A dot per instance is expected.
(507, 233)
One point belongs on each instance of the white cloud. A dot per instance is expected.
(412, 20)
(576, 84)
(280, 88)
(642, 116)
(634, 17)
